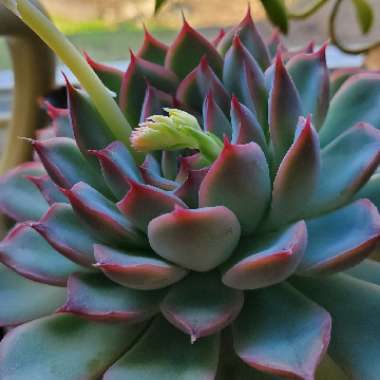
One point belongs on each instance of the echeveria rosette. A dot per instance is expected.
(218, 256)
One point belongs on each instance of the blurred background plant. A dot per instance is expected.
(107, 28)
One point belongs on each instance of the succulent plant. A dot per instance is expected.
(229, 240)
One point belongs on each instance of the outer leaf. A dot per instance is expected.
(151, 49)
(250, 38)
(215, 232)
(311, 77)
(102, 216)
(27, 253)
(362, 139)
(296, 177)
(187, 50)
(282, 332)
(66, 165)
(200, 305)
(348, 108)
(137, 270)
(67, 234)
(348, 300)
(17, 192)
(178, 360)
(266, 260)
(275, 43)
(23, 300)
(243, 78)
(118, 166)
(277, 14)
(284, 110)
(48, 188)
(239, 179)
(63, 339)
(371, 190)
(341, 238)
(95, 297)
(367, 270)
(339, 77)
(144, 203)
(364, 15)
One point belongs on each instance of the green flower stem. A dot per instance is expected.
(66, 51)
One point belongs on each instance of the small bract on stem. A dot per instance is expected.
(179, 130)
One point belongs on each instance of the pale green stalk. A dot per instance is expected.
(66, 51)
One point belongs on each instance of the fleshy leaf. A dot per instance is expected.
(200, 305)
(90, 130)
(144, 203)
(250, 38)
(93, 296)
(66, 165)
(198, 239)
(165, 353)
(48, 188)
(348, 175)
(281, 332)
(266, 260)
(109, 75)
(285, 108)
(102, 216)
(118, 166)
(367, 270)
(341, 238)
(296, 177)
(356, 101)
(151, 173)
(198, 83)
(134, 85)
(23, 300)
(60, 122)
(275, 43)
(137, 270)
(243, 78)
(311, 77)
(67, 234)
(152, 50)
(154, 102)
(239, 179)
(245, 126)
(188, 191)
(371, 190)
(214, 119)
(19, 198)
(43, 349)
(348, 300)
(187, 50)
(27, 253)
(339, 77)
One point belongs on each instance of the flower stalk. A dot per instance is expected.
(67, 52)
